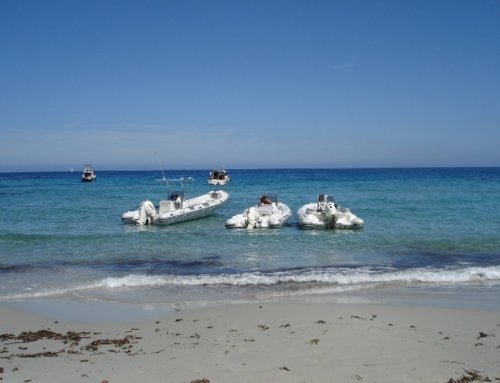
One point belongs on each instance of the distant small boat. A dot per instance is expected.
(218, 177)
(88, 174)
(268, 213)
(327, 214)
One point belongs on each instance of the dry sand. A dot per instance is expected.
(292, 342)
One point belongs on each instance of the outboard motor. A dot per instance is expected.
(252, 218)
(147, 213)
(330, 213)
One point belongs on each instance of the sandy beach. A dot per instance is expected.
(252, 342)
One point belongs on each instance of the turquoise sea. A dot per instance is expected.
(428, 232)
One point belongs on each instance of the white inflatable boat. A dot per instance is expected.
(268, 213)
(177, 208)
(326, 214)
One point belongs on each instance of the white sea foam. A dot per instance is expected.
(333, 276)
(331, 279)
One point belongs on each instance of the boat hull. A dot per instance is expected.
(217, 182)
(188, 215)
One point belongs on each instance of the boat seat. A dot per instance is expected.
(166, 206)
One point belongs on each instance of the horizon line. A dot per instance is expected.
(271, 168)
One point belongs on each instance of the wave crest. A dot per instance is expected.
(343, 278)
(333, 276)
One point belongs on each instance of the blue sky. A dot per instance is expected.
(249, 84)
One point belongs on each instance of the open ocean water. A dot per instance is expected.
(427, 232)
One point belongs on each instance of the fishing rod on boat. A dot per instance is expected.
(169, 181)
(161, 170)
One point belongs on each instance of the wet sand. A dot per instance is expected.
(252, 342)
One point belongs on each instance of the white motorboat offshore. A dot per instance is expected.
(327, 214)
(268, 213)
(88, 174)
(218, 177)
(177, 208)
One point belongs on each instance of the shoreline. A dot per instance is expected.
(256, 342)
(109, 310)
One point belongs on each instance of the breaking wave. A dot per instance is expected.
(340, 279)
(333, 276)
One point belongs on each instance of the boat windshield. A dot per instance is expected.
(326, 198)
(177, 195)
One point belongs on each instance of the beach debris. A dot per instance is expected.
(284, 368)
(320, 322)
(313, 341)
(94, 345)
(33, 336)
(71, 339)
(483, 335)
(203, 380)
(357, 317)
(263, 327)
(470, 376)
(195, 336)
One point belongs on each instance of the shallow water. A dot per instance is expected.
(427, 229)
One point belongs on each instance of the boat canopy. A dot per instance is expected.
(219, 174)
